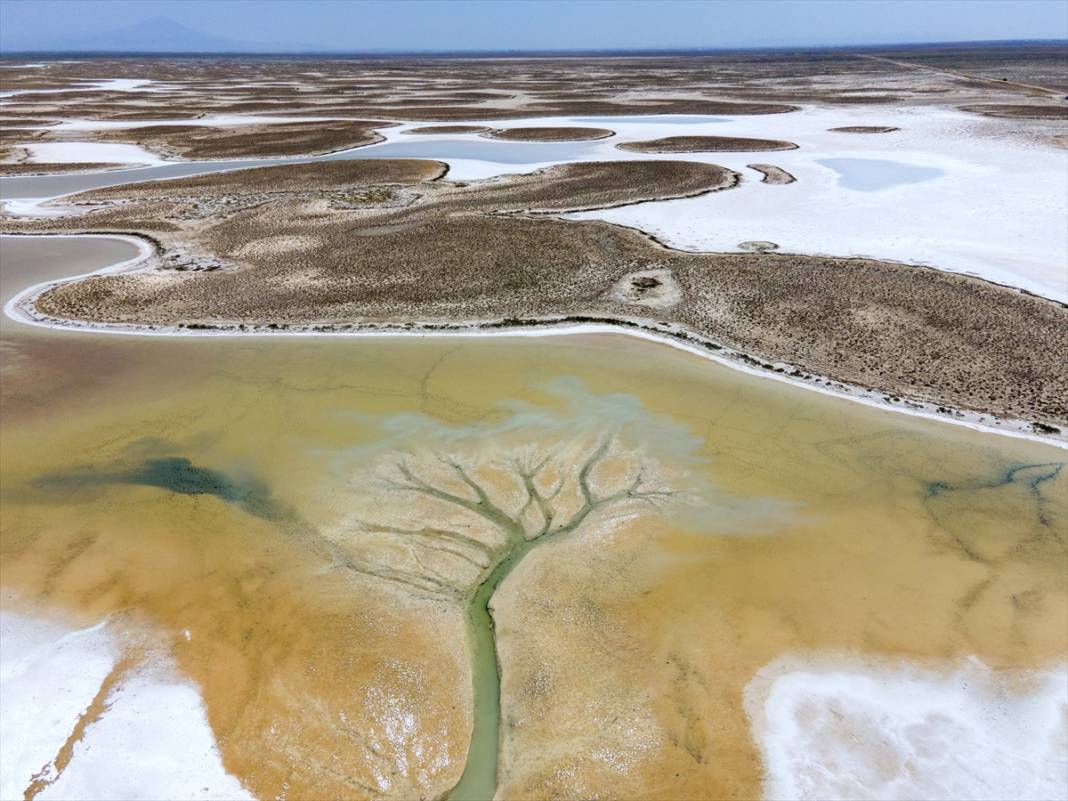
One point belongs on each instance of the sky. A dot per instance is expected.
(502, 25)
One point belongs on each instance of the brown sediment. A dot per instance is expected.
(247, 141)
(566, 108)
(651, 625)
(772, 174)
(865, 129)
(557, 134)
(25, 122)
(667, 703)
(14, 136)
(706, 144)
(1030, 70)
(909, 331)
(1019, 112)
(303, 668)
(90, 715)
(735, 83)
(554, 189)
(447, 129)
(33, 168)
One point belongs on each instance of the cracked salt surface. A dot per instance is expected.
(902, 732)
(152, 740)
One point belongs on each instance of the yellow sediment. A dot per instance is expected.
(821, 526)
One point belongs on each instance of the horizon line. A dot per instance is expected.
(632, 51)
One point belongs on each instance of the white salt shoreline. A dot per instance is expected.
(21, 308)
(990, 171)
(833, 725)
(135, 730)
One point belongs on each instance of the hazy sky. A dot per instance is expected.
(412, 25)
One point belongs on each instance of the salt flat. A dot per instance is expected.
(81, 721)
(993, 205)
(832, 728)
(89, 152)
(262, 547)
(996, 211)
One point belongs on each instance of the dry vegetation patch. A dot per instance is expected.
(590, 185)
(772, 174)
(321, 176)
(25, 122)
(246, 141)
(557, 134)
(865, 129)
(449, 256)
(32, 168)
(469, 89)
(706, 144)
(1019, 112)
(447, 129)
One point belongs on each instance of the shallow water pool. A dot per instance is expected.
(655, 119)
(874, 175)
(481, 149)
(488, 150)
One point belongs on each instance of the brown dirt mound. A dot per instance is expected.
(865, 129)
(772, 174)
(246, 141)
(452, 253)
(30, 168)
(706, 144)
(1019, 112)
(321, 176)
(446, 129)
(561, 134)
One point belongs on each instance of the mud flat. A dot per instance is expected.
(776, 176)
(446, 129)
(544, 567)
(353, 546)
(366, 262)
(971, 157)
(865, 129)
(200, 142)
(1019, 112)
(33, 168)
(706, 144)
(558, 134)
(742, 84)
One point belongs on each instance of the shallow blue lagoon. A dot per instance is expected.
(872, 175)
(481, 149)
